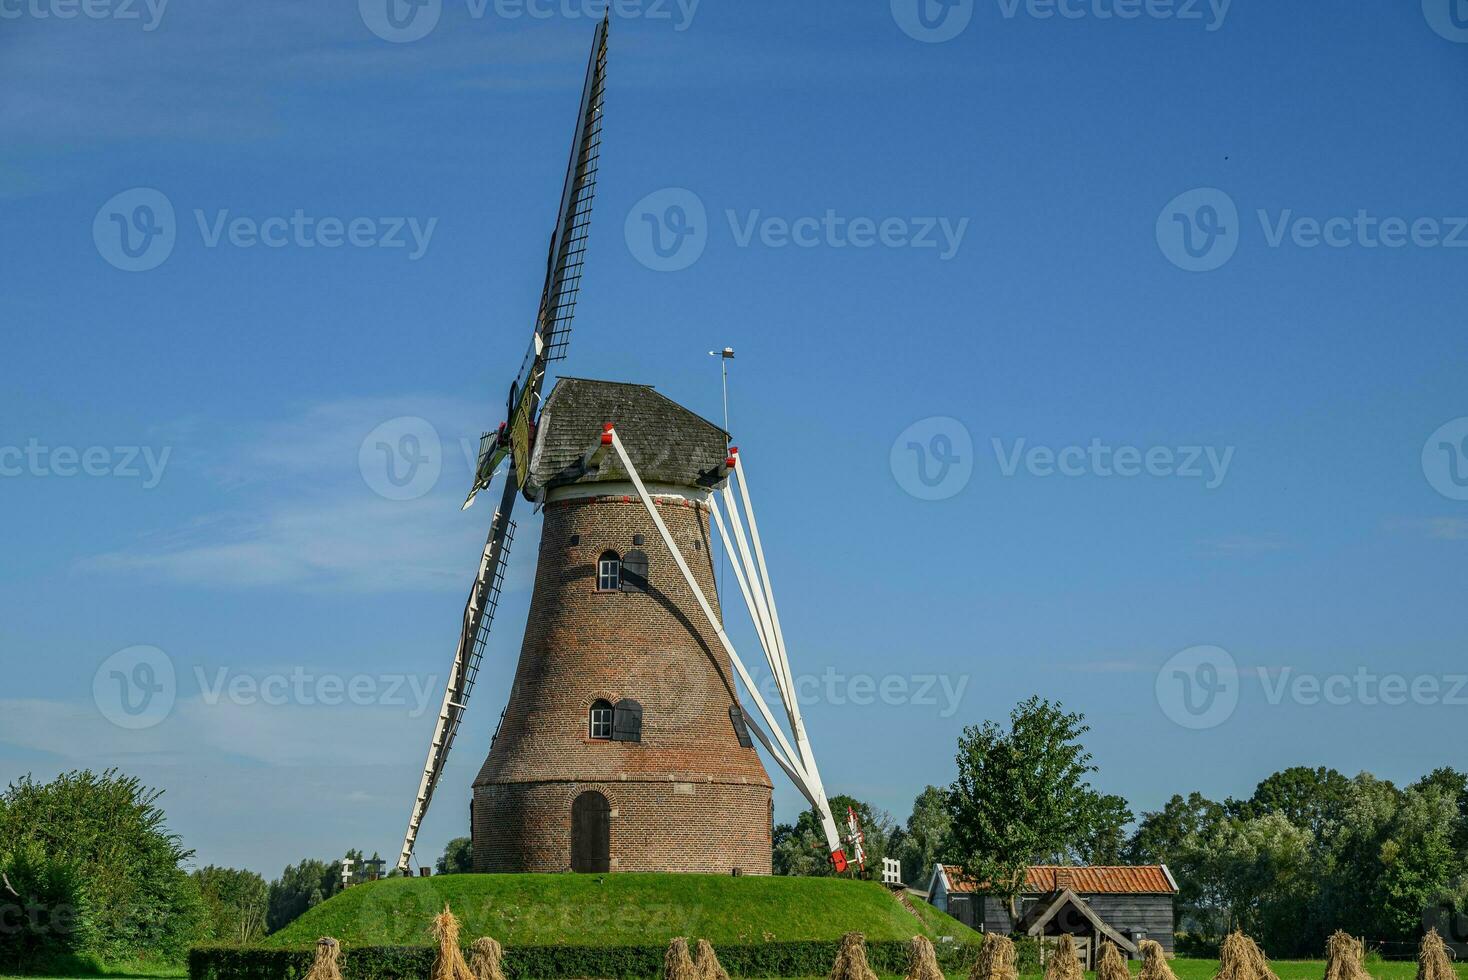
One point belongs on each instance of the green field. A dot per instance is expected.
(615, 910)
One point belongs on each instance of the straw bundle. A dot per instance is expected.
(1064, 963)
(996, 959)
(448, 961)
(1345, 958)
(1432, 959)
(706, 961)
(677, 964)
(1154, 962)
(327, 964)
(485, 959)
(1240, 958)
(1111, 965)
(922, 960)
(851, 959)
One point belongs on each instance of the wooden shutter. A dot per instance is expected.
(634, 572)
(741, 727)
(627, 721)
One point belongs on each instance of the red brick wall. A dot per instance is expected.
(688, 797)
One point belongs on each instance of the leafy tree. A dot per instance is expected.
(110, 829)
(458, 857)
(44, 911)
(1262, 874)
(1174, 836)
(919, 845)
(300, 887)
(1311, 799)
(1106, 838)
(235, 904)
(800, 848)
(1022, 796)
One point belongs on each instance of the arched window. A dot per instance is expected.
(634, 572)
(599, 724)
(609, 572)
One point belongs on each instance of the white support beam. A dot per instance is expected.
(751, 598)
(791, 763)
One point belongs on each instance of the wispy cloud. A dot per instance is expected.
(301, 504)
(1437, 528)
(1242, 545)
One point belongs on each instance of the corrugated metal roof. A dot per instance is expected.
(1138, 880)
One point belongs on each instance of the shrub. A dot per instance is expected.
(48, 919)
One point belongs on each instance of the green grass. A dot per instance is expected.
(614, 910)
(81, 969)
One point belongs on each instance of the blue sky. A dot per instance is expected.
(1062, 166)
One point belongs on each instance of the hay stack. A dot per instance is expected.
(1240, 958)
(1154, 962)
(706, 961)
(677, 964)
(448, 961)
(996, 959)
(1432, 959)
(851, 959)
(1110, 965)
(1064, 964)
(486, 957)
(922, 960)
(327, 964)
(1345, 958)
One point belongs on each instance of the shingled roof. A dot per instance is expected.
(1144, 880)
(668, 443)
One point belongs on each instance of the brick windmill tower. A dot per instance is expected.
(624, 745)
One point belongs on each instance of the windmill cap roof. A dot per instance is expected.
(669, 444)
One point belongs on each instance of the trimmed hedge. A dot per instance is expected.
(780, 959)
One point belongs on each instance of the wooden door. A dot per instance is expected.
(591, 834)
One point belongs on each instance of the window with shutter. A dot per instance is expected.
(741, 727)
(627, 721)
(634, 572)
(609, 572)
(599, 724)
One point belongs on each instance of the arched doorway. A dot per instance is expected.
(591, 833)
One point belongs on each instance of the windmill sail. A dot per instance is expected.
(515, 438)
(564, 262)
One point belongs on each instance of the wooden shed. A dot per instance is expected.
(1123, 904)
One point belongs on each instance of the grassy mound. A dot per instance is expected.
(615, 910)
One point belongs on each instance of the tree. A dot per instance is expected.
(1174, 836)
(300, 887)
(801, 849)
(1311, 799)
(110, 829)
(235, 904)
(1105, 840)
(458, 857)
(1022, 796)
(921, 842)
(45, 915)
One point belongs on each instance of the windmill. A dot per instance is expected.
(625, 708)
